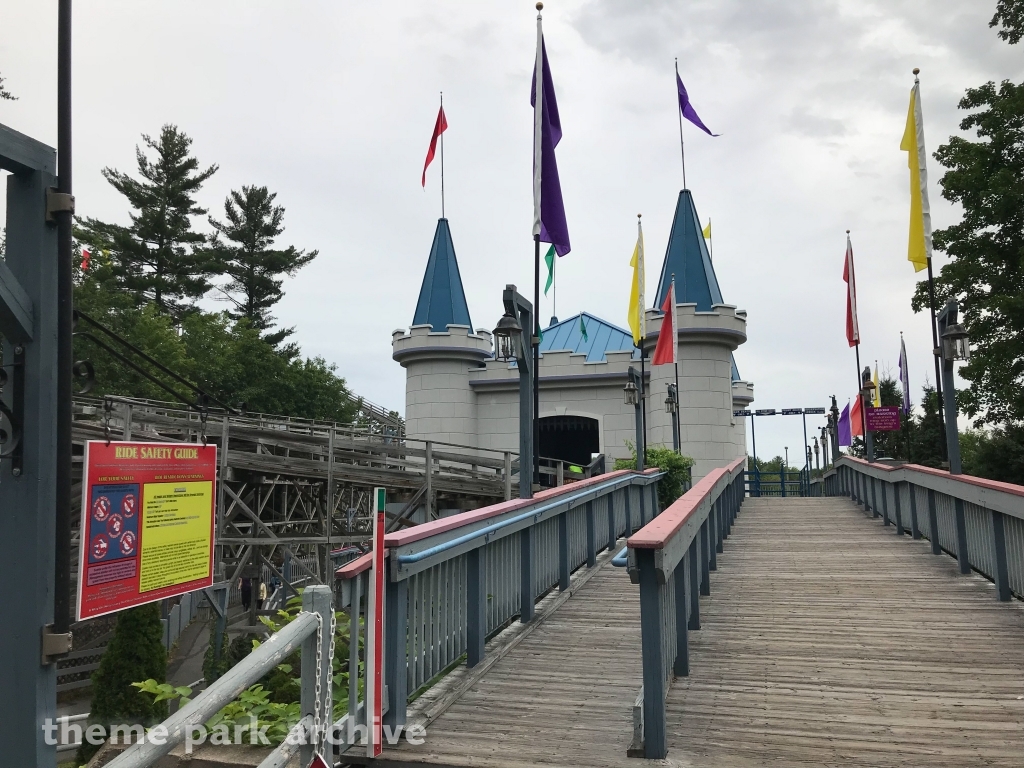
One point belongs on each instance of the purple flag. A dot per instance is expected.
(687, 108)
(548, 210)
(845, 438)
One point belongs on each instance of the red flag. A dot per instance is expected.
(439, 127)
(856, 418)
(665, 351)
(852, 329)
(85, 259)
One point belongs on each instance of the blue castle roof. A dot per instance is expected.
(688, 259)
(602, 337)
(442, 300)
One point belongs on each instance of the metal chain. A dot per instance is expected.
(329, 698)
(203, 415)
(316, 705)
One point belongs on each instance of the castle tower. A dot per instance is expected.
(439, 350)
(708, 332)
(742, 397)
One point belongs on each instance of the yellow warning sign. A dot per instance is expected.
(176, 530)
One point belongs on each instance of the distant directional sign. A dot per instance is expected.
(814, 411)
(741, 413)
(792, 411)
(765, 412)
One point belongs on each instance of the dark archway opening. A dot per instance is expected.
(569, 438)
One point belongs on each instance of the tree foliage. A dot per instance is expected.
(159, 257)
(246, 254)
(6, 95)
(986, 248)
(677, 470)
(1010, 16)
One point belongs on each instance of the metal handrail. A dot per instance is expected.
(535, 513)
(247, 672)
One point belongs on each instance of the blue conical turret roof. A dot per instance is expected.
(687, 257)
(442, 300)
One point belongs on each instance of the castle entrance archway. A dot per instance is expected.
(569, 438)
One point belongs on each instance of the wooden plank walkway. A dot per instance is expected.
(827, 640)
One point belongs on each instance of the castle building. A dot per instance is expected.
(457, 393)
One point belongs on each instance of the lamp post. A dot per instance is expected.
(633, 394)
(833, 426)
(955, 346)
(510, 344)
(867, 391)
(817, 463)
(672, 409)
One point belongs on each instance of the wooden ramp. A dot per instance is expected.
(827, 641)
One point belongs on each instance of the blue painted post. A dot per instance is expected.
(712, 524)
(643, 506)
(885, 504)
(651, 623)
(682, 663)
(933, 524)
(719, 525)
(962, 555)
(899, 509)
(476, 606)
(693, 582)
(526, 595)
(563, 551)
(626, 495)
(874, 497)
(396, 610)
(705, 559)
(613, 536)
(915, 528)
(1002, 575)
(591, 535)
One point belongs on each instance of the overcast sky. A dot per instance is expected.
(331, 104)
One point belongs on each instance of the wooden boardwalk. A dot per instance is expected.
(827, 641)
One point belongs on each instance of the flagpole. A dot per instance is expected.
(675, 361)
(535, 336)
(711, 242)
(682, 148)
(442, 160)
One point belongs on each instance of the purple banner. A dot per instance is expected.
(884, 419)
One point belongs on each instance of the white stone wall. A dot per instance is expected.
(439, 403)
(706, 342)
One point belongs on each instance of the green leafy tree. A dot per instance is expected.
(986, 248)
(1009, 16)
(135, 652)
(244, 246)
(996, 455)
(159, 257)
(677, 470)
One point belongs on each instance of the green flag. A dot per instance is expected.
(549, 259)
(583, 328)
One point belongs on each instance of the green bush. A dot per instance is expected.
(676, 467)
(135, 652)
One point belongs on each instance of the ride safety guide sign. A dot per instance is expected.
(147, 523)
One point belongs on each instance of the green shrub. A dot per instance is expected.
(676, 467)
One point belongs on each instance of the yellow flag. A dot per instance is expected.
(637, 318)
(878, 392)
(920, 248)
(707, 230)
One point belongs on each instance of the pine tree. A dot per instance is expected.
(158, 258)
(135, 653)
(249, 259)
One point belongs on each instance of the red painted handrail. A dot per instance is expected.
(993, 485)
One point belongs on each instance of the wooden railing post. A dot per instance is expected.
(899, 508)
(654, 673)
(508, 475)
(874, 497)
(396, 614)
(429, 497)
(1001, 575)
(591, 535)
(682, 663)
(613, 532)
(563, 551)
(962, 556)
(643, 506)
(719, 525)
(476, 606)
(705, 558)
(933, 524)
(626, 496)
(526, 537)
(693, 582)
(885, 503)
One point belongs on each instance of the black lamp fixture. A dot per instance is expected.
(507, 337)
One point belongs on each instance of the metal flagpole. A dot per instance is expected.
(675, 361)
(682, 148)
(442, 160)
(537, 175)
